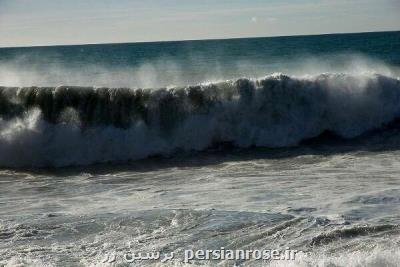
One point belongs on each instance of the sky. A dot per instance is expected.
(55, 22)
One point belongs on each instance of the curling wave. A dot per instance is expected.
(80, 125)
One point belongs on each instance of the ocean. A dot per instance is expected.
(253, 144)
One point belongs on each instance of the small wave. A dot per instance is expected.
(60, 126)
(352, 232)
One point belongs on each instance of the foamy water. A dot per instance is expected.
(338, 207)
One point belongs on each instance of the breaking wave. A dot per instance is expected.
(61, 126)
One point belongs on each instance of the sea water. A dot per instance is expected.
(242, 144)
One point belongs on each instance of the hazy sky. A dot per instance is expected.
(48, 22)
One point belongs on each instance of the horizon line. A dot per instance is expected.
(196, 40)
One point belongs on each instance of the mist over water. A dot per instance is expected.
(167, 72)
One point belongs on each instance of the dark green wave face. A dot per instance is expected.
(276, 97)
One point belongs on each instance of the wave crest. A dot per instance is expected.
(81, 125)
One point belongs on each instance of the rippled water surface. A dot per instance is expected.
(339, 207)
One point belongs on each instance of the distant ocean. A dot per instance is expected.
(255, 143)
